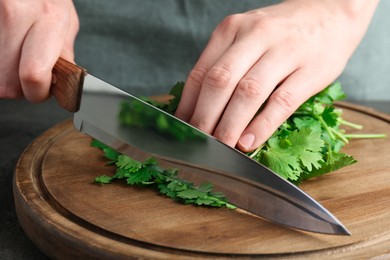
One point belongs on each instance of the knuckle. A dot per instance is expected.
(226, 136)
(218, 77)
(228, 23)
(57, 12)
(268, 124)
(76, 21)
(232, 19)
(285, 99)
(249, 88)
(292, 45)
(197, 75)
(9, 12)
(202, 124)
(262, 23)
(33, 74)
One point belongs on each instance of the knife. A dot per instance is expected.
(246, 183)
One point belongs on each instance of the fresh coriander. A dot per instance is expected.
(166, 181)
(306, 145)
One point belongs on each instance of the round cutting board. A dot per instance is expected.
(67, 215)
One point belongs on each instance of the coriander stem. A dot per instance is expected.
(227, 204)
(302, 113)
(252, 155)
(369, 136)
(327, 128)
(350, 124)
(339, 135)
(328, 154)
(230, 206)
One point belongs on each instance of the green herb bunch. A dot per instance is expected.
(306, 145)
(134, 113)
(166, 181)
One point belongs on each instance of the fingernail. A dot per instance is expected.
(246, 141)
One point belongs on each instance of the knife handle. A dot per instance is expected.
(67, 84)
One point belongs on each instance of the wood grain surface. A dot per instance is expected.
(68, 83)
(66, 215)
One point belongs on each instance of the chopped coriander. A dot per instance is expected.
(148, 173)
(306, 145)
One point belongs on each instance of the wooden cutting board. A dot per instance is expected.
(66, 215)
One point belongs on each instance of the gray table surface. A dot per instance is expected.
(20, 123)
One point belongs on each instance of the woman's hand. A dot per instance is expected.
(283, 53)
(33, 35)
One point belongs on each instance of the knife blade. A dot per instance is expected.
(246, 183)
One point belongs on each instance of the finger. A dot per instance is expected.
(221, 80)
(9, 78)
(11, 39)
(221, 39)
(295, 90)
(251, 92)
(67, 52)
(41, 49)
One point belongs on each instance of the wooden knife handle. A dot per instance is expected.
(67, 84)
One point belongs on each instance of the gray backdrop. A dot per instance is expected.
(145, 46)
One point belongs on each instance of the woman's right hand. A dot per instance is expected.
(33, 35)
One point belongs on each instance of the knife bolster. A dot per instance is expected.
(67, 84)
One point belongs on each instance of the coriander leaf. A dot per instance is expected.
(176, 185)
(292, 155)
(176, 92)
(336, 161)
(307, 146)
(103, 179)
(171, 173)
(191, 193)
(98, 144)
(120, 173)
(143, 175)
(109, 153)
(128, 163)
(206, 201)
(166, 191)
(308, 122)
(152, 102)
(206, 187)
(287, 166)
(331, 93)
(330, 116)
(150, 161)
(218, 195)
(332, 143)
